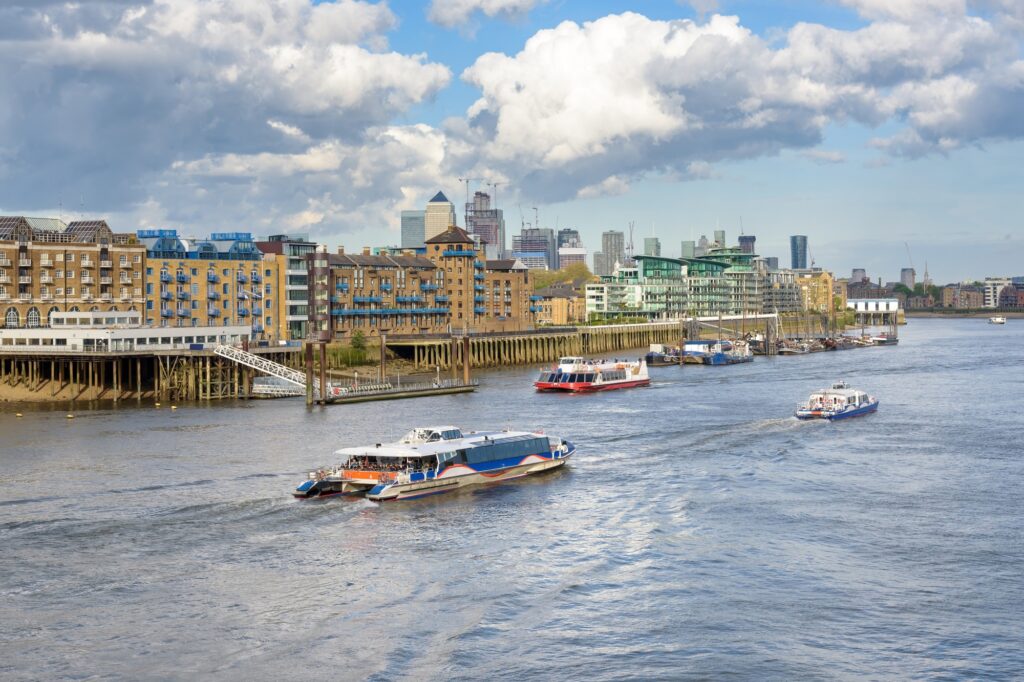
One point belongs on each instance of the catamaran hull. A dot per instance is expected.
(461, 475)
(820, 414)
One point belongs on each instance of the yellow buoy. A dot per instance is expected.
(71, 416)
(18, 414)
(174, 407)
(158, 404)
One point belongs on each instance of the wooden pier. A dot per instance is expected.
(167, 375)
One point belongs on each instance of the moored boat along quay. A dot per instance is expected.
(38, 366)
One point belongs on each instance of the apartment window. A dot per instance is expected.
(59, 274)
(123, 259)
(71, 274)
(58, 292)
(149, 305)
(71, 258)
(71, 291)
(136, 258)
(59, 257)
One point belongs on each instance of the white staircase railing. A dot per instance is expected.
(266, 366)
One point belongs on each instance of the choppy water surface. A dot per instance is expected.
(700, 532)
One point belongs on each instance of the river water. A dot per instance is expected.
(699, 532)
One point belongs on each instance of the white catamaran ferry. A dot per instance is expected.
(436, 459)
(837, 402)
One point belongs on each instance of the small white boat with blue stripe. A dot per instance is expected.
(837, 402)
(438, 459)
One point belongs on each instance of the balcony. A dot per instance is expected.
(166, 312)
(45, 263)
(4, 296)
(479, 264)
(341, 286)
(367, 299)
(409, 299)
(88, 279)
(480, 310)
(257, 328)
(46, 278)
(258, 295)
(124, 279)
(106, 264)
(86, 296)
(242, 279)
(213, 295)
(166, 295)
(256, 278)
(536, 298)
(479, 287)
(107, 297)
(45, 297)
(4, 279)
(428, 287)
(106, 280)
(88, 263)
(385, 287)
(4, 262)
(25, 279)
(182, 278)
(24, 262)
(25, 297)
(243, 295)
(534, 308)
(213, 312)
(479, 299)
(243, 312)
(441, 299)
(165, 277)
(458, 252)
(183, 296)
(125, 296)
(184, 312)
(212, 278)
(479, 276)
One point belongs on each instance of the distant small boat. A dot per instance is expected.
(997, 319)
(837, 402)
(794, 350)
(662, 356)
(885, 339)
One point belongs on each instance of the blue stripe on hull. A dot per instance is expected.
(867, 409)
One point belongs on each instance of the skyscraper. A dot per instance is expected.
(413, 229)
(798, 251)
(535, 247)
(908, 277)
(687, 249)
(652, 246)
(439, 215)
(613, 245)
(720, 237)
(702, 247)
(772, 262)
(488, 223)
(569, 237)
(747, 243)
(858, 275)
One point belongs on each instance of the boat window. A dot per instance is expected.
(452, 434)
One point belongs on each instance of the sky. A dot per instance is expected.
(891, 132)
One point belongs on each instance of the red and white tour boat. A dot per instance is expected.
(577, 375)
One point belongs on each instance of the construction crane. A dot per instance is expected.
(909, 257)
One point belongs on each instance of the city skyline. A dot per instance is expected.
(887, 122)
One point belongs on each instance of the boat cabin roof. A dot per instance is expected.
(425, 449)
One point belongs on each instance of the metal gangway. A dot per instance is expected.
(274, 369)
